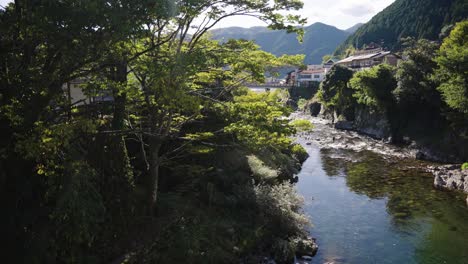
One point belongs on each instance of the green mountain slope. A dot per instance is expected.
(354, 28)
(319, 40)
(404, 18)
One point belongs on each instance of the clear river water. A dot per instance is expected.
(369, 203)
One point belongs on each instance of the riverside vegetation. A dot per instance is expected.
(422, 101)
(183, 165)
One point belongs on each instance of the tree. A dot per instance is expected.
(416, 95)
(177, 57)
(416, 88)
(44, 44)
(335, 93)
(374, 87)
(326, 58)
(452, 60)
(63, 165)
(174, 91)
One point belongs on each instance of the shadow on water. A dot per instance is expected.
(367, 208)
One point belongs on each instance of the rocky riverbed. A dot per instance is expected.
(449, 177)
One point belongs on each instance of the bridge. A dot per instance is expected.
(269, 85)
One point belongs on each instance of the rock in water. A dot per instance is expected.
(315, 108)
(344, 125)
(307, 247)
(450, 177)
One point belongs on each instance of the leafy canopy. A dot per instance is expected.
(334, 91)
(453, 68)
(374, 87)
(414, 75)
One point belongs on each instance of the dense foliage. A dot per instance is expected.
(407, 18)
(464, 166)
(422, 99)
(335, 93)
(176, 162)
(453, 68)
(374, 87)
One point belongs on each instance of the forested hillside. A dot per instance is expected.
(354, 28)
(319, 40)
(407, 18)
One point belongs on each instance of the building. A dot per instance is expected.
(313, 73)
(368, 58)
(76, 95)
(314, 67)
(328, 65)
(304, 77)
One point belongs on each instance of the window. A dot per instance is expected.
(305, 76)
(316, 76)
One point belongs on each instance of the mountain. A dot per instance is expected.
(319, 40)
(407, 18)
(353, 29)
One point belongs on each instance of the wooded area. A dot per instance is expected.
(163, 171)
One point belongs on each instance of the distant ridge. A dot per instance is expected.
(319, 40)
(354, 28)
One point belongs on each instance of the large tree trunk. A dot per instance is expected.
(115, 166)
(153, 174)
(120, 98)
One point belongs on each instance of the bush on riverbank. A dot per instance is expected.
(464, 166)
(302, 125)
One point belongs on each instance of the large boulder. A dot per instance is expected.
(315, 108)
(344, 125)
(307, 247)
(372, 123)
(450, 177)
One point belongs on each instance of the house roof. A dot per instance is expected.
(321, 70)
(365, 56)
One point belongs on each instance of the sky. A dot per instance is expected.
(339, 13)
(342, 14)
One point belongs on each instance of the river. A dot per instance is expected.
(371, 203)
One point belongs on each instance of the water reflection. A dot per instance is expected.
(431, 225)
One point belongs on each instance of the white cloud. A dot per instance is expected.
(357, 10)
(340, 13)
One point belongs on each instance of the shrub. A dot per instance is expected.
(301, 103)
(465, 166)
(280, 209)
(260, 170)
(299, 153)
(302, 125)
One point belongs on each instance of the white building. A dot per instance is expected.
(304, 77)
